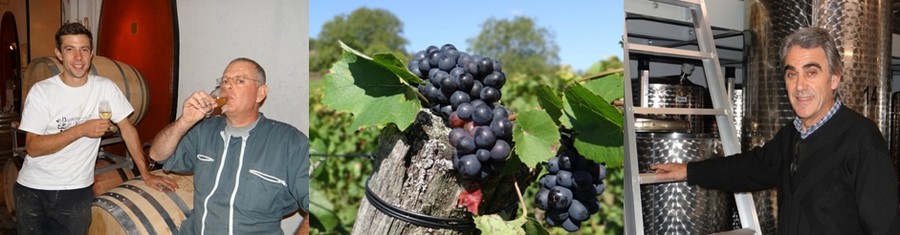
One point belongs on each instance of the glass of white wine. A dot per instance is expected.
(220, 101)
(105, 110)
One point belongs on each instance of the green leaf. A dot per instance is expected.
(609, 87)
(551, 102)
(536, 139)
(321, 210)
(392, 63)
(493, 224)
(598, 126)
(533, 227)
(370, 91)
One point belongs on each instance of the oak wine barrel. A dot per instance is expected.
(136, 208)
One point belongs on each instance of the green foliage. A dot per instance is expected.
(598, 126)
(519, 44)
(369, 30)
(371, 91)
(336, 184)
(536, 141)
(494, 224)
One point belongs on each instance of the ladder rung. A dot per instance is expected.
(682, 111)
(650, 178)
(669, 52)
(684, 3)
(737, 232)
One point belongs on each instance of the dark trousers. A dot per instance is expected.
(52, 211)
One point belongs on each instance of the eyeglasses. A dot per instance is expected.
(237, 81)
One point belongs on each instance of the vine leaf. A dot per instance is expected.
(392, 63)
(536, 140)
(598, 125)
(370, 90)
(534, 227)
(471, 199)
(550, 101)
(609, 87)
(494, 224)
(322, 210)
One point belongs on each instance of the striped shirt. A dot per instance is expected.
(799, 124)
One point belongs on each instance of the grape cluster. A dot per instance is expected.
(465, 89)
(569, 191)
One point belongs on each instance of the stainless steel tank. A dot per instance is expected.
(674, 92)
(862, 32)
(894, 140)
(677, 208)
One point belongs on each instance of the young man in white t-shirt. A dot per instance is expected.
(53, 191)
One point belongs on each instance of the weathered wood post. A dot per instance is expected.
(414, 173)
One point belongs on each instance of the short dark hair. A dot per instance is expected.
(74, 28)
(259, 69)
(808, 38)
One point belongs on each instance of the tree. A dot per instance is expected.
(367, 30)
(519, 44)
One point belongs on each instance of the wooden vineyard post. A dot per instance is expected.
(413, 171)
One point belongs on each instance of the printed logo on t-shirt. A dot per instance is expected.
(63, 123)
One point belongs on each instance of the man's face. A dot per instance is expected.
(75, 54)
(809, 82)
(241, 97)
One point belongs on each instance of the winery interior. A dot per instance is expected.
(158, 52)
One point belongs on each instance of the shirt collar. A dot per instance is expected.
(799, 124)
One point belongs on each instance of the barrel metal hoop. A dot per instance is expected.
(180, 203)
(134, 209)
(159, 208)
(124, 220)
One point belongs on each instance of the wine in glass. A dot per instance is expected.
(105, 110)
(220, 101)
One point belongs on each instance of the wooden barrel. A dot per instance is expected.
(7, 130)
(129, 80)
(136, 208)
(110, 179)
(10, 173)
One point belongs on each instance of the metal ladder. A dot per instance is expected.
(721, 109)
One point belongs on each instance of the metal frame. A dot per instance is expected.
(721, 109)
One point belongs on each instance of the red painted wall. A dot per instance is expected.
(141, 33)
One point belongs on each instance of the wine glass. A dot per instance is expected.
(105, 110)
(220, 101)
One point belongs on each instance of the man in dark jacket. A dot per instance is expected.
(831, 166)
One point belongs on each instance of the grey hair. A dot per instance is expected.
(808, 38)
(261, 73)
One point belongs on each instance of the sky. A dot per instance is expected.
(586, 31)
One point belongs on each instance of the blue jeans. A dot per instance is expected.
(52, 211)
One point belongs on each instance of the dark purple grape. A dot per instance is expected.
(446, 110)
(502, 128)
(484, 138)
(450, 51)
(601, 173)
(552, 222)
(464, 58)
(559, 215)
(466, 145)
(469, 166)
(500, 151)
(466, 82)
(564, 178)
(599, 188)
(559, 198)
(482, 154)
(582, 180)
(495, 79)
(430, 49)
(457, 72)
(419, 55)
(477, 102)
(553, 165)
(497, 66)
(436, 77)
(472, 67)
(496, 167)
(500, 112)
(424, 67)
(464, 111)
(455, 135)
(458, 98)
(447, 63)
(413, 67)
(490, 94)
(541, 198)
(485, 66)
(565, 162)
(571, 225)
(593, 207)
(548, 181)
(434, 58)
(482, 115)
(455, 160)
(475, 92)
(448, 85)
